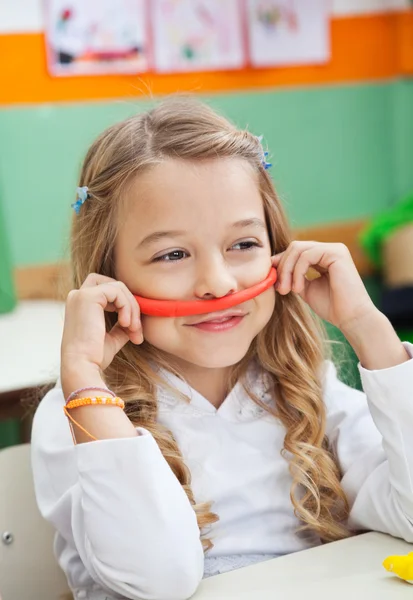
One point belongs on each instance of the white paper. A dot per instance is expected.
(96, 36)
(196, 35)
(288, 32)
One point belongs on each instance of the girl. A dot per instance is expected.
(237, 443)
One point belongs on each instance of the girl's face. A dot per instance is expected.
(196, 230)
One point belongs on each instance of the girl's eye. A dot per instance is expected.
(173, 256)
(247, 245)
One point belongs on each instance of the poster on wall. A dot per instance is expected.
(197, 35)
(288, 32)
(99, 37)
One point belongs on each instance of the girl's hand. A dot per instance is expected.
(337, 295)
(85, 341)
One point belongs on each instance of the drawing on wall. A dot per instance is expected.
(288, 32)
(197, 35)
(96, 36)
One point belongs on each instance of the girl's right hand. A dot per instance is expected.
(86, 343)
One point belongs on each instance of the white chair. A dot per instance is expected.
(28, 569)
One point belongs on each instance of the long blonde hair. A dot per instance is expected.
(290, 348)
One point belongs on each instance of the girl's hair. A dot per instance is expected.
(290, 348)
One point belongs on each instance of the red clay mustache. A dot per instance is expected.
(185, 308)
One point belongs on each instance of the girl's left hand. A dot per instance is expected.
(338, 295)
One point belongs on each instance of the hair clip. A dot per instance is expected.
(82, 194)
(264, 154)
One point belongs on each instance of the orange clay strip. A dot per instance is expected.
(184, 308)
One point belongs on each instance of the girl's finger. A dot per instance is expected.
(304, 262)
(135, 324)
(287, 264)
(124, 308)
(94, 279)
(283, 278)
(136, 334)
(128, 317)
(117, 338)
(114, 296)
(276, 258)
(136, 337)
(111, 293)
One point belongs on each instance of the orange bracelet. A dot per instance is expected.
(96, 401)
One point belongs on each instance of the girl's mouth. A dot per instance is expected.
(220, 321)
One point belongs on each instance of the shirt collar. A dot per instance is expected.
(237, 406)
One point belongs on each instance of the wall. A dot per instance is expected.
(340, 135)
(403, 137)
(331, 151)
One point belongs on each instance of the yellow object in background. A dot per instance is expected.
(402, 566)
(312, 274)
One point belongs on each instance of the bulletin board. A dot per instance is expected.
(96, 37)
(194, 35)
(104, 37)
(288, 32)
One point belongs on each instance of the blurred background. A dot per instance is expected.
(326, 82)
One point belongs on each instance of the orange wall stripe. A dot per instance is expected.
(405, 43)
(364, 48)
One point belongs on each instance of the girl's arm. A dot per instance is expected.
(371, 436)
(375, 342)
(87, 349)
(103, 422)
(373, 439)
(117, 504)
(338, 296)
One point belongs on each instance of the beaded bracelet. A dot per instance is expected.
(89, 389)
(95, 401)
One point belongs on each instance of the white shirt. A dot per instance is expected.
(125, 527)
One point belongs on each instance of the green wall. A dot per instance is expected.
(403, 137)
(338, 152)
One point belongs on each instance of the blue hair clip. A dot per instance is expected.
(264, 154)
(82, 194)
(266, 164)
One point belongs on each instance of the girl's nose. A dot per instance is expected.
(215, 281)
